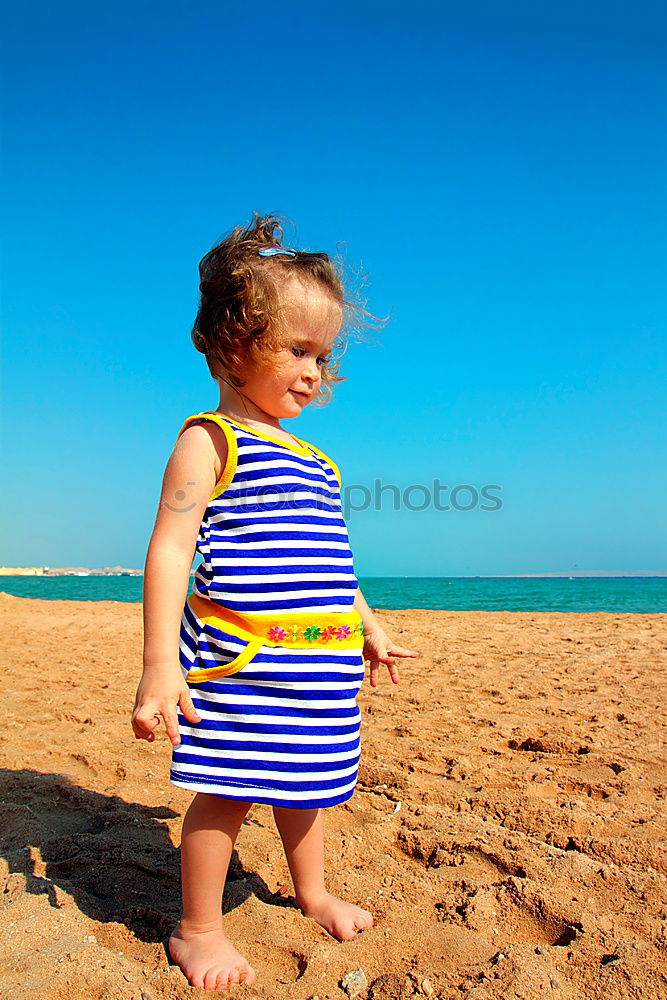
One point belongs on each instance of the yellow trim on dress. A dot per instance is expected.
(227, 669)
(268, 437)
(326, 457)
(232, 450)
(306, 446)
(298, 629)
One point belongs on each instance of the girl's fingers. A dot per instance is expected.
(144, 723)
(391, 667)
(400, 651)
(188, 709)
(386, 655)
(387, 659)
(171, 725)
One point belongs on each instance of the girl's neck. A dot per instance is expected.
(242, 409)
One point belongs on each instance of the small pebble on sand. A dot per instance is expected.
(354, 982)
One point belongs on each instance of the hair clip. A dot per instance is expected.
(273, 251)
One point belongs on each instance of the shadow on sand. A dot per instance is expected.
(115, 858)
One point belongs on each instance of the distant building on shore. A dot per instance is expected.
(68, 571)
(24, 571)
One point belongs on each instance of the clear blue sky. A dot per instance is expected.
(500, 174)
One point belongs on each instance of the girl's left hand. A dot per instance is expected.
(378, 648)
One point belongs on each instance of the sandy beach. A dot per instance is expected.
(508, 830)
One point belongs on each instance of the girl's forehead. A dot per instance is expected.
(309, 305)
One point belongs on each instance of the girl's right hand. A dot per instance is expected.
(159, 691)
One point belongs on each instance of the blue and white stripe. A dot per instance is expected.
(285, 729)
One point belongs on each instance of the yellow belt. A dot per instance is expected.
(301, 629)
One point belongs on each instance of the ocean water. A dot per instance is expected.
(639, 595)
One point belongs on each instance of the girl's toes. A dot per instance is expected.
(247, 976)
(364, 921)
(211, 979)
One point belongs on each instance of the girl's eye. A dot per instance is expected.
(300, 351)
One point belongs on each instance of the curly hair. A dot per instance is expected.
(241, 311)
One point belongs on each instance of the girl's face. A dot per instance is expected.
(312, 322)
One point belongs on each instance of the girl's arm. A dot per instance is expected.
(190, 476)
(367, 616)
(378, 647)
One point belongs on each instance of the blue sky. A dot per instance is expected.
(499, 174)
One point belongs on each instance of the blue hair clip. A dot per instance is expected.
(273, 251)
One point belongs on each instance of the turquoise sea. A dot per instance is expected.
(639, 595)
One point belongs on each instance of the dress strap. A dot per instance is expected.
(231, 464)
(318, 451)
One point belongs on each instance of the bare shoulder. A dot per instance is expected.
(203, 442)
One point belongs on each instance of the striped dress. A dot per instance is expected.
(285, 729)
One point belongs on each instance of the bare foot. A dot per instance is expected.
(209, 959)
(341, 919)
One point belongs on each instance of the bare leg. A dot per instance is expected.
(302, 834)
(198, 944)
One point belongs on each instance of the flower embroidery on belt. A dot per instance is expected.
(311, 633)
(276, 632)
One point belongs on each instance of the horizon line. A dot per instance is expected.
(556, 574)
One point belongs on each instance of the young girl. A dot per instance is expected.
(256, 673)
